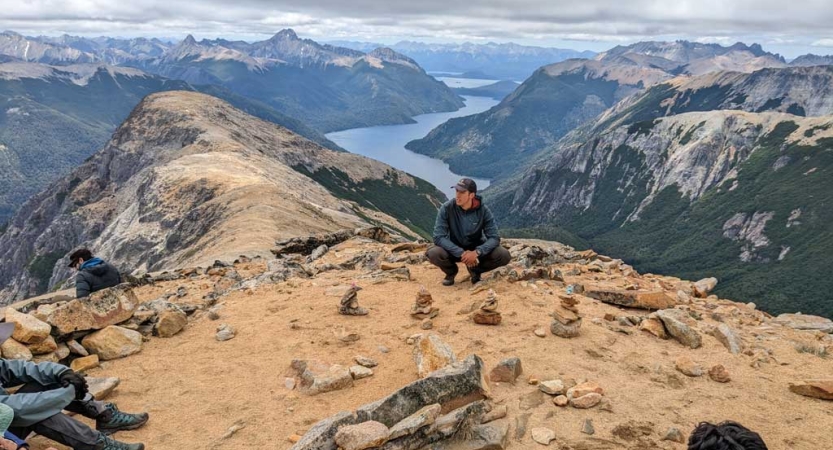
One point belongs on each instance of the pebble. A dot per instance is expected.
(675, 435)
(543, 436)
(561, 400)
(540, 332)
(225, 332)
(587, 428)
(427, 324)
(365, 361)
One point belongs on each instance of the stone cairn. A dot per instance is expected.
(488, 314)
(566, 321)
(349, 305)
(424, 305)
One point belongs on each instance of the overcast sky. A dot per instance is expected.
(787, 27)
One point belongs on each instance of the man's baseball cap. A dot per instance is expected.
(6, 330)
(466, 184)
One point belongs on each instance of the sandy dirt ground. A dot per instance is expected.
(195, 388)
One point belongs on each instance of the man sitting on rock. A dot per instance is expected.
(47, 389)
(726, 436)
(466, 232)
(93, 273)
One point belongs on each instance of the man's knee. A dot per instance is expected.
(436, 254)
(501, 256)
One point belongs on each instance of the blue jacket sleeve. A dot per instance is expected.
(442, 234)
(491, 233)
(31, 408)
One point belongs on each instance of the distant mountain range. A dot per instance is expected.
(561, 97)
(502, 61)
(63, 97)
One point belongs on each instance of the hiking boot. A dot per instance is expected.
(449, 280)
(107, 443)
(113, 420)
(475, 276)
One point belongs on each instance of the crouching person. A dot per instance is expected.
(465, 231)
(47, 389)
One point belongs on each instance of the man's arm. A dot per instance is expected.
(442, 234)
(31, 407)
(491, 233)
(82, 286)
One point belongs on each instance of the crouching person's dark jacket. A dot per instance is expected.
(95, 275)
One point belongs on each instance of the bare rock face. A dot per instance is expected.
(27, 329)
(100, 310)
(113, 342)
(431, 353)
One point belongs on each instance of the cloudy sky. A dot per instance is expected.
(790, 28)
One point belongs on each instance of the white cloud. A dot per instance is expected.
(827, 42)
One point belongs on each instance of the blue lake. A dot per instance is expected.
(387, 144)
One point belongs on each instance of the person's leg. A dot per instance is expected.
(442, 259)
(68, 431)
(499, 257)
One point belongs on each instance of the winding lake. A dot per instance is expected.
(387, 144)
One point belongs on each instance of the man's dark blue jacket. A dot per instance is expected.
(458, 230)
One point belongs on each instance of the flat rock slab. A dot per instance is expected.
(317, 377)
(805, 322)
(424, 417)
(542, 435)
(102, 387)
(821, 389)
(652, 300)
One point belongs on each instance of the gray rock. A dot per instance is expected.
(317, 377)
(728, 338)
(456, 384)
(488, 437)
(361, 436)
(507, 371)
(543, 435)
(675, 435)
(225, 332)
(531, 400)
(521, 423)
(365, 361)
(587, 427)
(675, 323)
(551, 387)
(424, 417)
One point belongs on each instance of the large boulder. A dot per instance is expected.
(27, 329)
(431, 353)
(456, 388)
(15, 350)
(633, 299)
(676, 323)
(99, 310)
(113, 342)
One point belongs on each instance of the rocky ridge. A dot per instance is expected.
(543, 388)
(189, 178)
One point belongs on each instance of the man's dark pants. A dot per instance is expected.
(64, 429)
(439, 257)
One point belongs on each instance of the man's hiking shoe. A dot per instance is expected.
(449, 280)
(475, 277)
(107, 443)
(114, 420)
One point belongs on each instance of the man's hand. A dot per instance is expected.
(6, 444)
(79, 382)
(469, 258)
